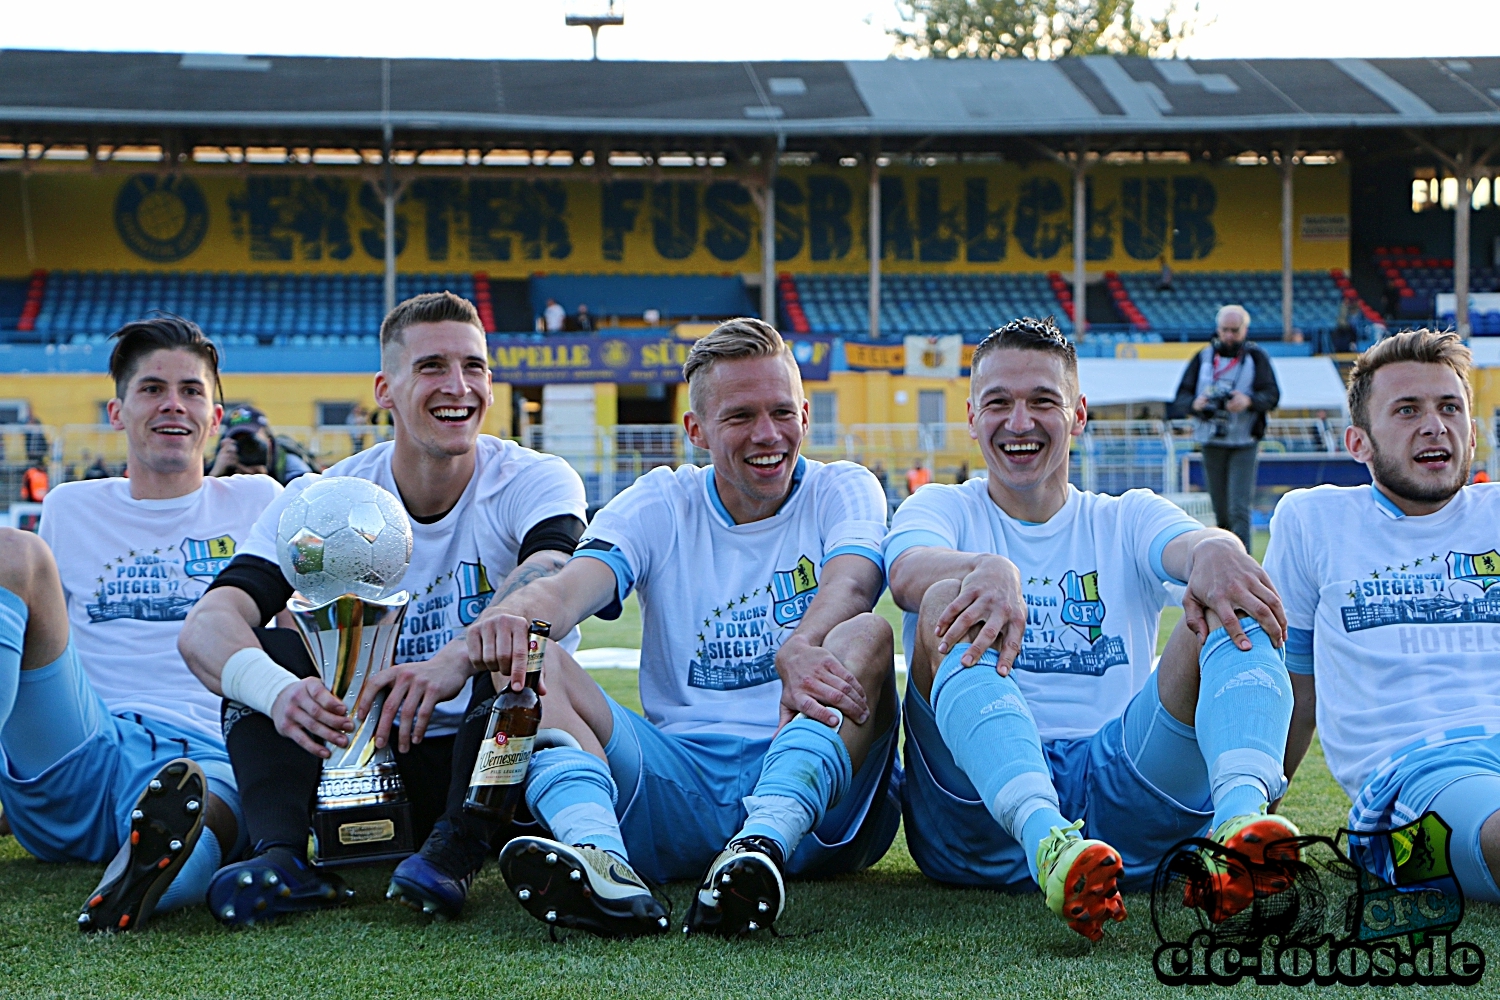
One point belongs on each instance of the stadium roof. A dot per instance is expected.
(112, 97)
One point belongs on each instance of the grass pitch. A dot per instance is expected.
(887, 932)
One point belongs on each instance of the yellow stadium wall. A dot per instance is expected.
(961, 218)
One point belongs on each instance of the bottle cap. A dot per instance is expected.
(539, 627)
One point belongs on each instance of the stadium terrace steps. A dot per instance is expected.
(1192, 301)
(1413, 283)
(919, 304)
(236, 308)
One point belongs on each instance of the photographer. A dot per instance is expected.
(1228, 388)
(248, 447)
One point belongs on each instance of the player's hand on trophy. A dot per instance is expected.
(498, 642)
(415, 690)
(308, 713)
(1227, 579)
(989, 597)
(814, 681)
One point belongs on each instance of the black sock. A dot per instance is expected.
(277, 779)
(465, 753)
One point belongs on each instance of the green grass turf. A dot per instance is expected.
(886, 932)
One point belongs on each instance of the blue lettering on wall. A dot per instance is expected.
(729, 224)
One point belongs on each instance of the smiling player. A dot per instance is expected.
(766, 680)
(481, 510)
(109, 747)
(1036, 728)
(1392, 593)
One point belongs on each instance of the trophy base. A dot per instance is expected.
(362, 835)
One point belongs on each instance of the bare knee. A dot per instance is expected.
(937, 598)
(866, 645)
(24, 561)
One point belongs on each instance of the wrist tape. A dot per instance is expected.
(252, 678)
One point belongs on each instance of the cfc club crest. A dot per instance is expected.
(474, 591)
(1081, 606)
(793, 590)
(204, 558)
(1482, 569)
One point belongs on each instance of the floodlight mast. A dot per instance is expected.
(596, 21)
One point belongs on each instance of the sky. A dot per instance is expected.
(710, 30)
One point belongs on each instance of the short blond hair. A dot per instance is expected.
(744, 337)
(1426, 347)
(429, 307)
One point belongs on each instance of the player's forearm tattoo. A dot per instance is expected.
(534, 569)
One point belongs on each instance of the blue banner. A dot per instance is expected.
(529, 360)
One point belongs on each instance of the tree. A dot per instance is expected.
(1039, 29)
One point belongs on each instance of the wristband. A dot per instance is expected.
(252, 678)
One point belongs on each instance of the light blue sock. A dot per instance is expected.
(1244, 712)
(574, 795)
(804, 774)
(992, 736)
(190, 887)
(13, 616)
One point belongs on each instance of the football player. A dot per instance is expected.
(1042, 749)
(767, 746)
(1392, 598)
(109, 746)
(481, 509)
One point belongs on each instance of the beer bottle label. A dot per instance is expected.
(502, 760)
(534, 651)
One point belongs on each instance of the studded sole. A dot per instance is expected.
(164, 828)
(748, 895)
(558, 892)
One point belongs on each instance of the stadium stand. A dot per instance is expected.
(916, 303)
(1187, 309)
(1413, 283)
(631, 295)
(239, 308)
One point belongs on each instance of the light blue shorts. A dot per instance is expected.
(1460, 782)
(954, 839)
(680, 800)
(78, 808)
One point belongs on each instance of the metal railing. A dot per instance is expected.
(1110, 457)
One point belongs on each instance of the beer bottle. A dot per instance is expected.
(495, 787)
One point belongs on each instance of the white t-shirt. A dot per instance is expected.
(717, 598)
(1092, 579)
(456, 562)
(132, 570)
(1404, 614)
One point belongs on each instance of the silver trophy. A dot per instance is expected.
(344, 544)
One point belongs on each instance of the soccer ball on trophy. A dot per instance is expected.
(344, 535)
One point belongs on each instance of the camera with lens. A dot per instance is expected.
(1214, 417)
(249, 448)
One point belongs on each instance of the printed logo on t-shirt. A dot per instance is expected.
(738, 641)
(1430, 590)
(440, 609)
(1065, 633)
(474, 591)
(161, 585)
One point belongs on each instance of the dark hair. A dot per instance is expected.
(742, 337)
(1424, 346)
(164, 332)
(429, 307)
(1030, 334)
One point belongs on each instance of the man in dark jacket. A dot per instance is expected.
(1228, 388)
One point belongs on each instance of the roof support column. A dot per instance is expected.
(1288, 158)
(875, 242)
(388, 189)
(1080, 242)
(768, 235)
(1463, 165)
